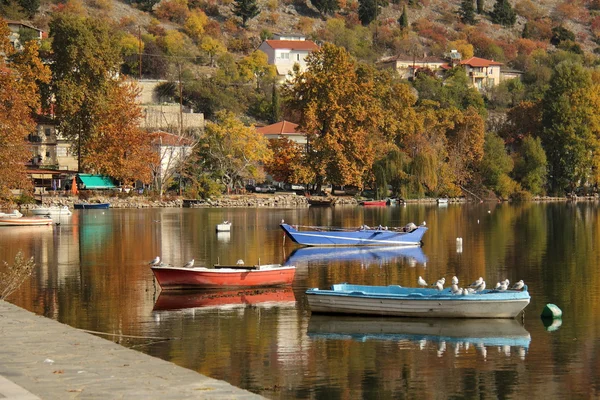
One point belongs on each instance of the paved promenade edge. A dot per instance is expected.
(51, 360)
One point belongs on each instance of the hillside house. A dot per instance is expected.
(20, 31)
(283, 129)
(482, 73)
(49, 149)
(408, 66)
(284, 51)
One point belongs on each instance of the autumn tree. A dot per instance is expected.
(231, 151)
(246, 10)
(465, 145)
(255, 67)
(335, 101)
(118, 147)
(20, 75)
(86, 60)
(287, 163)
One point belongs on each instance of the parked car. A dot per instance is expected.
(265, 189)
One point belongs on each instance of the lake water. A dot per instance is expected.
(92, 274)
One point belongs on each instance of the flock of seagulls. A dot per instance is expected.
(476, 287)
(157, 263)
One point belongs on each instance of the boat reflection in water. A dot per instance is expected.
(210, 299)
(503, 334)
(366, 255)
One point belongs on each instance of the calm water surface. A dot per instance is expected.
(92, 274)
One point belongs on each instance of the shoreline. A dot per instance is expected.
(283, 199)
(51, 360)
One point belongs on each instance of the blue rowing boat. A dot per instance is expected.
(400, 301)
(91, 206)
(365, 255)
(409, 235)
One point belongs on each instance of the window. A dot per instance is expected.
(285, 56)
(47, 154)
(297, 57)
(47, 132)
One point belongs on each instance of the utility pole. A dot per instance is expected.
(180, 125)
(140, 48)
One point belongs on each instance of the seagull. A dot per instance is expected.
(502, 287)
(465, 292)
(518, 286)
(439, 285)
(456, 289)
(497, 285)
(240, 262)
(189, 264)
(481, 287)
(156, 261)
(477, 282)
(454, 280)
(421, 282)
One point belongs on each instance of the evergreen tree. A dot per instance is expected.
(326, 6)
(480, 6)
(246, 10)
(467, 12)
(503, 14)
(275, 105)
(403, 20)
(367, 11)
(560, 34)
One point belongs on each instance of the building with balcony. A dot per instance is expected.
(482, 73)
(285, 51)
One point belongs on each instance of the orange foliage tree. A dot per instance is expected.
(287, 163)
(20, 74)
(118, 147)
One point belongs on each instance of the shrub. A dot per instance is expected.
(14, 275)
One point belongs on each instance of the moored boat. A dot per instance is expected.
(91, 206)
(409, 235)
(442, 200)
(416, 302)
(224, 226)
(320, 201)
(13, 214)
(373, 203)
(51, 210)
(224, 276)
(25, 221)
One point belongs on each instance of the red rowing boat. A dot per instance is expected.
(374, 203)
(222, 277)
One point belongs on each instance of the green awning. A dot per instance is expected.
(89, 181)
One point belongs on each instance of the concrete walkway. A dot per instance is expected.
(44, 359)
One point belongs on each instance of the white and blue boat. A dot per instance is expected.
(409, 235)
(400, 301)
(365, 255)
(474, 332)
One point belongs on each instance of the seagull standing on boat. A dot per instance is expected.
(481, 287)
(421, 282)
(439, 285)
(456, 289)
(454, 280)
(189, 264)
(518, 286)
(156, 261)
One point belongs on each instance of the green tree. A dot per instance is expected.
(275, 105)
(85, 63)
(403, 20)
(467, 12)
(367, 11)
(496, 165)
(246, 10)
(566, 130)
(531, 166)
(560, 33)
(480, 6)
(503, 13)
(326, 7)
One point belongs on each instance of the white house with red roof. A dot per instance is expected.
(283, 129)
(284, 51)
(482, 73)
(407, 66)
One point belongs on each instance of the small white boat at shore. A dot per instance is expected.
(24, 221)
(442, 201)
(225, 226)
(52, 211)
(13, 214)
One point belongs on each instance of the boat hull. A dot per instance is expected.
(91, 206)
(412, 302)
(377, 203)
(204, 278)
(25, 221)
(365, 237)
(53, 211)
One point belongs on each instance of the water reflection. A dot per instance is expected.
(177, 300)
(482, 334)
(365, 255)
